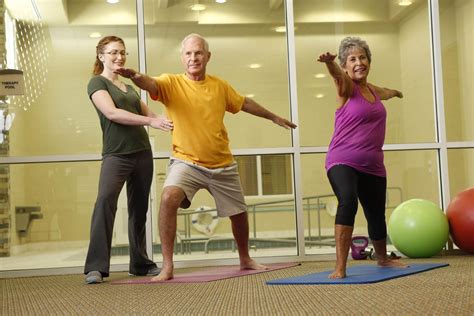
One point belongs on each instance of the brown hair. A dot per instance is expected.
(99, 49)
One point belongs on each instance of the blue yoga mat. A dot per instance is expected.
(360, 274)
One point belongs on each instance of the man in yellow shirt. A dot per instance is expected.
(201, 159)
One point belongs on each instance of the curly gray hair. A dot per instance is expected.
(348, 43)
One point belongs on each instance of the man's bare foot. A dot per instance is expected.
(251, 264)
(338, 274)
(165, 274)
(395, 263)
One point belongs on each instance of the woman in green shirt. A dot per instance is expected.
(127, 158)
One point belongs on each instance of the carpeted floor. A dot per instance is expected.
(444, 291)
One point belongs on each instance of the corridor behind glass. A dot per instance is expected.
(51, 154)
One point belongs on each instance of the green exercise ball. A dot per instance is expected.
(418, 228)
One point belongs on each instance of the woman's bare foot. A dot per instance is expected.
(395, 263)
(338, 274)
(165, 274)
(251, 264)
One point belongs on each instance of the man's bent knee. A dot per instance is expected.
(172, 196)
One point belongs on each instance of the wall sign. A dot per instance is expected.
(11, 82)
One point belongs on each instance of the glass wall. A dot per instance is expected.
(410, 174)
(392, 33)
(457, 28)
(55, 116)
(51, 137)
(248, 46)
(53, 125)
(267, 182)
(51, 206)
(461, 173)
(235, 31)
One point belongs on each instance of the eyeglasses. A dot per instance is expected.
(116, 52)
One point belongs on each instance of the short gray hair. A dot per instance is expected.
(348, 43)
(195, 35)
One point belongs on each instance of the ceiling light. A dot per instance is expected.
(319, 96)
(404, 3)
(255, 66)
(320, 75)
(113, 1)
(221, 1)
(95, 35)
(198, 7)
(250, 95)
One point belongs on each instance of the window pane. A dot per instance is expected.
(399, 39)
(319, 205)
(457, 26)
(276, 174)
(49, 208)
(461, 172)
(410, 174)
(55, 116)
(266, 174)
(272, 222)
(235, 30)
(248, 174)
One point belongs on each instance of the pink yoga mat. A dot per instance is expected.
(206, 275)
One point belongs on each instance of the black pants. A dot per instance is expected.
(137, 171)
(350, 185)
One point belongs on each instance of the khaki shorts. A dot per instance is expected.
(222, 183)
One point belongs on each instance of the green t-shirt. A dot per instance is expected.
(118, 138)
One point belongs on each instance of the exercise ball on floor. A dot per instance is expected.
(418, 228)
(460, 215)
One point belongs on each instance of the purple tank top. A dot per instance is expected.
(359, 133)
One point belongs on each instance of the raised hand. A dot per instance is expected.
(284, 122)
(126, 72)
(398, 94)
(326, 58)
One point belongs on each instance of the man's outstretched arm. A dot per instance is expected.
(252, 107)
(142, 81)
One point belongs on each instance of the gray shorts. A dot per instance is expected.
(222, 183)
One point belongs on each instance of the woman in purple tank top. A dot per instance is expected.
(354, 162)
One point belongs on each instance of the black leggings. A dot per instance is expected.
(349, 185)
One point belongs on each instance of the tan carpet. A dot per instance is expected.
(445, 291)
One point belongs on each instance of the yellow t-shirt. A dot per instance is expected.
(197, 110)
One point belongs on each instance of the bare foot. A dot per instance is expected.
(392, 263)
(337, 274)
(251, 264)
(165, 274)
